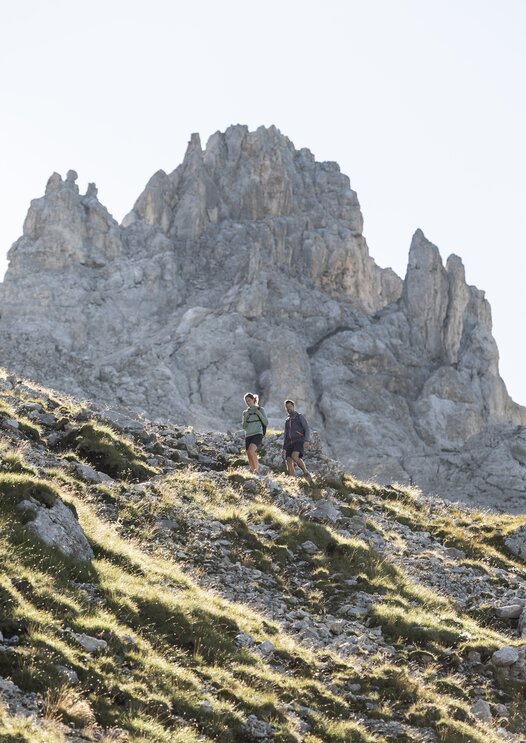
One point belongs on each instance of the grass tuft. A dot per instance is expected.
(108, 452)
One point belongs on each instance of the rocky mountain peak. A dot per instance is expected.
(246, 176)
(436, 298)
(246, 267)
(66, 229)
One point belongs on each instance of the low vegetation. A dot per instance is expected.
(173, 663)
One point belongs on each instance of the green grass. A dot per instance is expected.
(182, 639)
(171, 642)
(14, 461)
(479, 534)
(26, 427)
(109, 452)
(15, 487)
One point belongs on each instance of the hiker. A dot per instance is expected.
(255, 424)
(296, 439)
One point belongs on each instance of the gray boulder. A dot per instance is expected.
(505, 657)
(57, 527)
(257, 730)
(482, 710)
(516, 542)
(325, 511)
(511, 611)
(91, 645)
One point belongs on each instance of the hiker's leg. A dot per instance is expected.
(253, 457)
(290, 466)
(249, 457)
(299, 461)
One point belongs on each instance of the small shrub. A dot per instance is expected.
(108, 452)
(25, 426)
(451, 687)
(453, 731)
(393, 683)
(67, 705)
(18, 487)
(15, 463)
(417, 625)
(423, 715)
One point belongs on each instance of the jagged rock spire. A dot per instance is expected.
(246, 267)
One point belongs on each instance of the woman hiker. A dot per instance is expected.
(254, 418)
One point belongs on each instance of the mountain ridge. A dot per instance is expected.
(240, 270)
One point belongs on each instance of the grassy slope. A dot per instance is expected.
(173, 670)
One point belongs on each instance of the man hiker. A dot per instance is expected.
(296, 439)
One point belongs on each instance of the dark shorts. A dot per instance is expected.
(256, 439)
(296, 446)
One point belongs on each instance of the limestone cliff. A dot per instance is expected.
(247, 268)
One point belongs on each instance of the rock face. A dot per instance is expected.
(246, 268)
(57, 527)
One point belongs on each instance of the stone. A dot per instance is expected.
(257, 730)
(325, 511)
(68, 674)
(10, 424)
(91, 475)
(515, 541)
(512, 611)
(504, 657)
(47, 419)
(57, 527)
(168, 524)
(455, 553)
(310, 548)
(266, 647)
(481, 710)
(244, 641)
(91, 645)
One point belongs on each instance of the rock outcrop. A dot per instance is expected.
(57, 527)
(247, 268)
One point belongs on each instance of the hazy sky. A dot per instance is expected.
(421, 102)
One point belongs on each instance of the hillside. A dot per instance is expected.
(197, 603)
(247, 267)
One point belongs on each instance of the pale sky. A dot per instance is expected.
(421, 102)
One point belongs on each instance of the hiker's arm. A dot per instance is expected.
(244, 419)
(263, 416)
(306, 428)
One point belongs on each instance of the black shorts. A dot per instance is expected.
(256, 439)
(296, 446)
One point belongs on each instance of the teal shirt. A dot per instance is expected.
(252, 424)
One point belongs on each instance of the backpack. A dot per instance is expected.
(263, 426)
